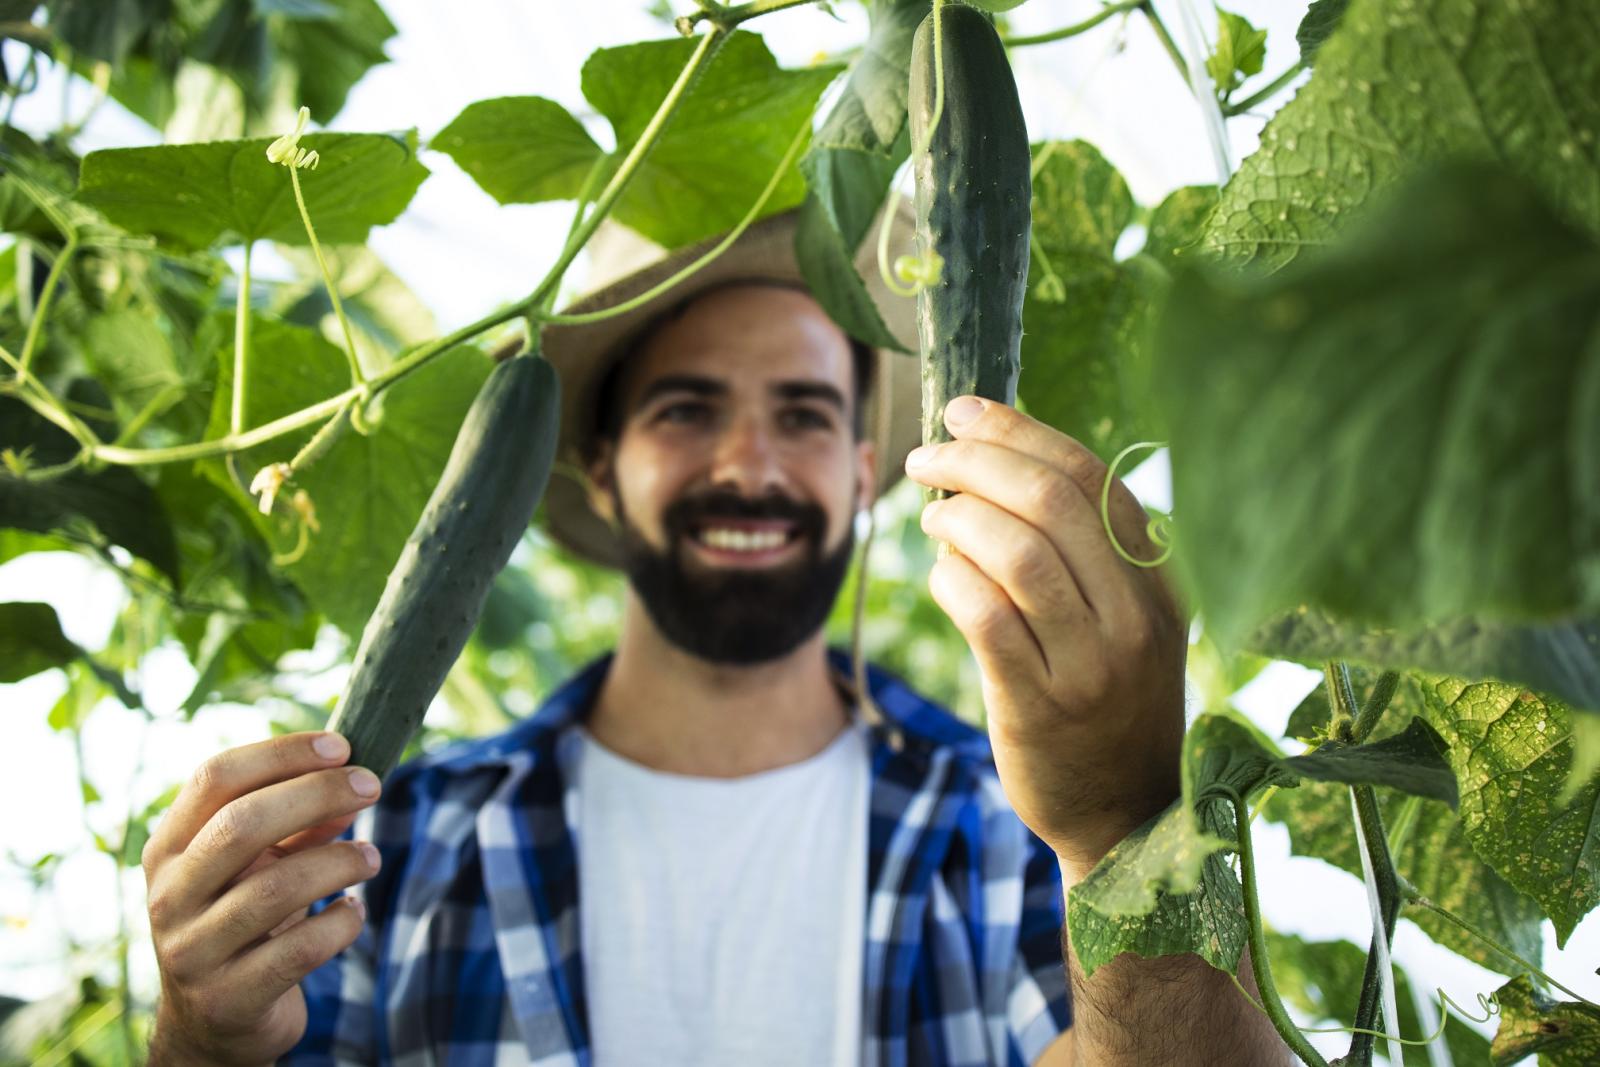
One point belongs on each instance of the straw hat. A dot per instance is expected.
(623, 265)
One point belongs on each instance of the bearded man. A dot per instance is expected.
(708, 848)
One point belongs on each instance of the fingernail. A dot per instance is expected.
(364, 782)
(962, 410)
(358, 906)
(920, 457)
(331, 746)
(369, 852)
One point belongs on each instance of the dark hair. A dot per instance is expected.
(608, 400)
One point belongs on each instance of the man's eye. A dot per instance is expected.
(806, 419)
(684, 412)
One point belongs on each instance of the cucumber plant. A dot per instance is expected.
(265, 462)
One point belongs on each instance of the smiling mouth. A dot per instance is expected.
(746, 539)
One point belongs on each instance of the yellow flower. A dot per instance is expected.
(287, 150)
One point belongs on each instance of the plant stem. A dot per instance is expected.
(327, 279)
(1377, 703)
(1341, 699)
(1109, 11)
(1413, 897)
(1388, 885)
(36, 325)
(1276, 85)
(709, 45)
(727, 18)
(1259, 960)
(722, 246)
(241, 344)
(1165, 37)
(1403, 822)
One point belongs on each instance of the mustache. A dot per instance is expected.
(683, 516)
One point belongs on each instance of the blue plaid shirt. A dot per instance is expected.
(471, 945)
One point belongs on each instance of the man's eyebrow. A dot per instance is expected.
(681, 383)
(810, 390)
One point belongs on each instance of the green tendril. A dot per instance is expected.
(1489, 1004)
(920, 271)
(1157, 529)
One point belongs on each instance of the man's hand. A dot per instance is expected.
(232, 867)
(1082, 653)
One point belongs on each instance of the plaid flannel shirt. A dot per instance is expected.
(470, 954)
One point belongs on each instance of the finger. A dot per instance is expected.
(1050, 501)
(1023, 562)
(994, 629)
(231, 774)
(262, 903)
(1001, 424)
(244, 828)
(265, 973)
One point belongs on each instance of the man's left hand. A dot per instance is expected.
(1081, 652)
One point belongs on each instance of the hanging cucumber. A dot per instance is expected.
(973, 203)
(484, 501)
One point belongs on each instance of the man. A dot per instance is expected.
(770, 869)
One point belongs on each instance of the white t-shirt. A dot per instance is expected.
(722, 917)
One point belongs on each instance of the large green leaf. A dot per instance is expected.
(520, 149)
(1353, 433)
(1560, 658)
(195, 195)
(1320, 20)
(1085, 313)
(330, 51)
(724, 142)
(870, 113)
(1403, 84)
(1408, 761)
(1431, 850)
(1323, 979)
(1178, 223)
(132, 356)
(1511, 750)
(31, 641)
(118, 505)
(1560, 1033)
(368, 490)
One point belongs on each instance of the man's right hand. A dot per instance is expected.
(231, 869)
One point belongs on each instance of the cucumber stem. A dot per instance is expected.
(241, 344)
(1107, 12)
(1261, 964)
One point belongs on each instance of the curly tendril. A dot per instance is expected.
(1157, 529)
(1488, 1003)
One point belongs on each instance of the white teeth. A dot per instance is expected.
(743, 540)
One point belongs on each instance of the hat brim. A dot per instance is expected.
(582, 354)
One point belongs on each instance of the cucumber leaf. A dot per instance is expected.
(1409, 761)
(1320, 20)
(1334, 427)
(1560, 1033)
(1511, 750)
(1084, 346)
(195, 195)
(1559, 658)
(1240, 51)
(521, 149)
(1401, 86)
(31, 641)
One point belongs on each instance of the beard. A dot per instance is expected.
(733, 616)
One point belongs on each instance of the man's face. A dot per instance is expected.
(736, 474)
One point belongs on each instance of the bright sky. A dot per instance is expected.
(463, 255)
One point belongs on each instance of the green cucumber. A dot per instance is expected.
(484, 501)
(973, 204)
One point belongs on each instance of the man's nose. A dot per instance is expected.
(746, 458)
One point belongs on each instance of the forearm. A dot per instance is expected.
(1172, 1009)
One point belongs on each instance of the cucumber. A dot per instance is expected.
(484, 501)
(973, 203)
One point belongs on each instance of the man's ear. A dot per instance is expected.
(866, 474)
(602, 477)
